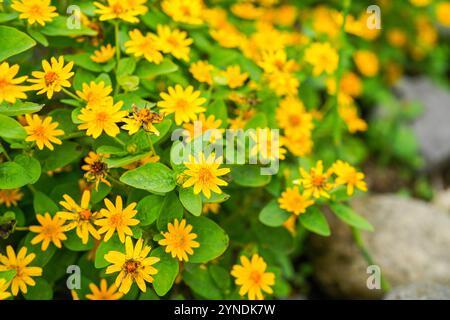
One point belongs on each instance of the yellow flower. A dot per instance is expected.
(94, 93)
(96, 169)
(79, 216)
(366, 62)
(299, 143)
(292, 116)
(291, 224)
(39, 11)
(315, 182)
(3, 287)
(185, 103)
(227, 36)
(201, 71)
(50, 230)
(103, 292)
(283, 83)
(347, 175)
(211, 207)
(251, 275)
(323, 57)
(397, 37)
(443, 13)
(175, 42)
(276, 61)
(54, 77)
(266, 145)
(9, 197)
(142, 118)
(246, 10)
(23, 271)
(349, 113)
(203, 174)
(43, 132)
(133, 266)
(10, 90)
(102, 118)
(147, 46)
(103, 55)
(186, 11)
(179, 240)
(292, 201)
(420, 3)
(235, 78)
(125, 10)
(210, 126)
(117, 218)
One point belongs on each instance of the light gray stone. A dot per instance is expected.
(420, 291)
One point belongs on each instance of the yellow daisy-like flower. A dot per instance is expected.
(186, 11)
(94, 93)
(126, 10)
(10, 90)
(251, 275)
(292, 116)
(24, 272)
(443, 13)
(103, 292)
(299, 144)
(133, 266)
(79, 216)
(283, 83)
(211, 207)
(54, 77)
(366, 62)
(203, 174)
(104, 54)
(175, 42)
(50, 230)
(348, 175)
(142, 118)
(323, 57)
(43, 132)
(179, 240)
(276, 61)
(35, 11)
(96, 169)
(184, 103)
(201, 71)
(234, 77)
(10, 197)
(117, 218)
(210, 126)
(315, 182)
(292, 201)
(3, 287)
(267, 145)
(146, 46)
(102, 118)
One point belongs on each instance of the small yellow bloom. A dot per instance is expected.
(323, 57)
(117, 218)
(9, 197)
(246, 10)
(234, 77)
(133, 266)
(43, 132)
(291, 116)
(251, 275)
(40, 11)
(292, 201)
(174, 41)
(366, 62)
(184, 103)
(299, 143)
(142, 118)
(347, 175)
(420, 3)
(146, 46)
(277, 61)
(94, 93)
(96, 169)
(103, 292)
(203, 174)
(24, 273)
(50, 230)
(267, 145)
(186, 11)
(54, 77)
(104, 54)
(179, 240)
(443, 13)
(201, 71)
(126, 10)
(10, 90)
(211, 207)
(283, 83)
(3, 287)
(315, 182)
(397, 37)
(204, 126)
(102, 118)
(79, 216)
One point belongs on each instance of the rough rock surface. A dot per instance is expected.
(410, 244)
(420, 291)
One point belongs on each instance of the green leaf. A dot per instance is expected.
(126, 67)
(149, 209)
(170, 210)
(8, 16)
(13, 175)
(39, 37)
(84, 61)
(249, 176)
(272, 215)
(31, 165)
(200, 281)
(346, 214)
(19, 108)
(163, 128)
(8, 275)
(74, 243)
(42, 257)
(13, 42)
(153, 177)
(212, 238)
(112, 244)
(314, 220)
(11, 129)
(221, 276)
(219, 110)
(61, 156)
(59, 27)
(42, 204)
(216, 198)
(149, 71)
(41, 291)
(259, 120)
(192, 202)
(167, 271)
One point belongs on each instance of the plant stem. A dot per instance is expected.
(32, 188)
(73, 135)
(72, 95)
(116, 35)
(152, 147)
(119, 141)
(22, 228)
(5, 152)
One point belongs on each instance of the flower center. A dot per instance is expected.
(295, 120)
(182, 104)
(85, 214)
(36, 10)
(116, 219)
(318, 181)
(131, 266)
(186, 10)
(50, 78)
(102, 117)
(117, 9)
(49, 230)
(173, 41)
(255, 276)
(39, 132)
(204, 175)
(3, 83)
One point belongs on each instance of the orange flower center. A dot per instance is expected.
(205, 175)
(49, 229)
(116, 219)
(186, 10)
(256, 277)
(3, 83)
(318, 181)
(36, 10)
(182, 104)
(50, 78)
(117, 9)
(39, 132)
(131, 266)
(85, 214)
(173, 41)
(102, 117)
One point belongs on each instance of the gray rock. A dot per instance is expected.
(431, 128)
(420, 291)
(410, 244)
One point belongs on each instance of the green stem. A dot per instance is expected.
(116, 35)
(119, 141)
(152, 147)
(5, 152)
(73, 135)
(22, 228)
(32, 188)
(72, 95)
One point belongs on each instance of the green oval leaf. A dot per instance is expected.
(42, 290)
(170, 210)
(19, 108)
(13, 42)
(192, 202)
(112, 244)
(153, 177)
(249, 176)
(13, 175)
(167, 271)
(11, 129)
(42, 204)
(272, 215)
(149, 209)
(346, 214)
(314, 220)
